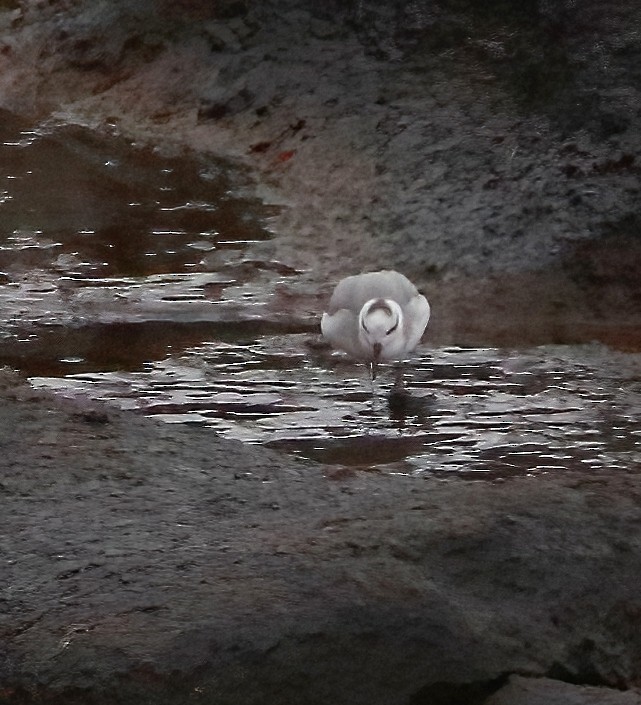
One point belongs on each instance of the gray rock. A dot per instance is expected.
(172, 576)
(545, 691)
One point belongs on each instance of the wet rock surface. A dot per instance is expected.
(157, 563)
(491, 155)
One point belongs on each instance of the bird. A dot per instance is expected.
(375, 317)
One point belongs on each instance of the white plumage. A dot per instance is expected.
(376, 317)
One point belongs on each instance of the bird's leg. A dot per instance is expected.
(371, 366)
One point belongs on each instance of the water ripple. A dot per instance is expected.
(473, 412)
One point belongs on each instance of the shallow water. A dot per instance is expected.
(136, 277)
(101, 207)
(481, 412)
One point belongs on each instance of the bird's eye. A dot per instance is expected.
(392, 329)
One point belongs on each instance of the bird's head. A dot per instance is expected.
(380, 329)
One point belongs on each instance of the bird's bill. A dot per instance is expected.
(376, 354)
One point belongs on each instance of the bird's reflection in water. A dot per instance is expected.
(403, 406)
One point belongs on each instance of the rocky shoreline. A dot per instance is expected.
(151, 563)
(492, 157)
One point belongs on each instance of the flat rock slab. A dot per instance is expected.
(145, 562)
(545, 691)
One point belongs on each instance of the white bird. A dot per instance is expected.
(376, 317)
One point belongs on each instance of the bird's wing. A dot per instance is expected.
(416, 314)
(341, 330)
(352, 293)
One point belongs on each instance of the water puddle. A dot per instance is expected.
(135, 277)
(73, 203)
(473, 412)
(95, 227)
